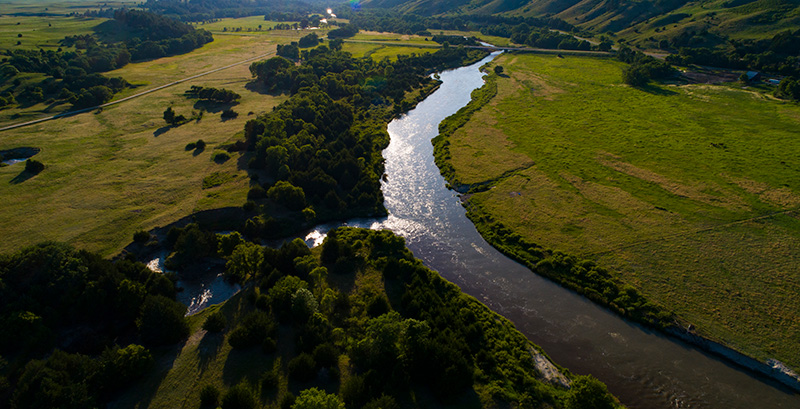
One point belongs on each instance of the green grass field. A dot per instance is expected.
(120, 170)
(689, 192)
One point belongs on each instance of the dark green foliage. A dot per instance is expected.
(229, 114)
(345, 31)
(498, 69)
(122, 366)
(213, 94)
(215, 322)
(61, 381)
(642, 67)
(280, 295)
(302, 368)
(778, 54)
(209, 397)
(455, 40)
(288, 195)
(33, 166)
(310, 40)
(253, 330)
(141, 237)
(240, 397)
(314, 398)
(290, 51)
(789, 88)
(221, 157)
(190, 146)
(162, 321)
(587, 392)
(200, 144)
(169, 117)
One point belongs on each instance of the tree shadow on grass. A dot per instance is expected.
(161, 131)
(209, 348)
(656, 90)
(142, 393)
(259, 87)
(23, 176)
(214, 107)
(198, 150)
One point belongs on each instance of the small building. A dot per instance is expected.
(774, 81)
(753, 75)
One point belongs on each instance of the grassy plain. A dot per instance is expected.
(689, 192)
(113, 172)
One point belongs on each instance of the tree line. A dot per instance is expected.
(74, 76)
(321, 149)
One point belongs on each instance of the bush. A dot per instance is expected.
(317, 399)
(254, 330)
(215, 322)
(162, 321)
(209, 397)
(141, 237)
(239, 397)
(229, 114)
(221, 157)
(302, 368)
(200, 144)
(33, 166)
(190, 146)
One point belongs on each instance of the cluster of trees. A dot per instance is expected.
(344, 31)
(325, 141)
(778, 54)
(642, 67)
(206, 10)
(74, 76)
(539, 37)
(213, 94)
(307, 41)
(789, 88)
(412, 333)
(455, 40)
(290, 51)
(61, 315)
(406, 23)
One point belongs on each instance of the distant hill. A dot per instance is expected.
(633, 20)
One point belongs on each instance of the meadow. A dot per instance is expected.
(688, 192)
(112, 172)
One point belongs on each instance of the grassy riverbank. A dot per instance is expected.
(688, 194)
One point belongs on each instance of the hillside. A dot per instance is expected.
(632, 20)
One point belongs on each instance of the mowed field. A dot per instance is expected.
(113, 172)
(690, 192)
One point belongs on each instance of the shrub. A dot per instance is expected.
(221, 157)
(302, 368)
(215, 322)
(190, 146)
(317, 399)
(209, 397)
(200, 144)
(162, 321)
(239, 397)
(33, 166)
(141, 237)
(229, 114)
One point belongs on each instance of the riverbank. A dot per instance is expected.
(601, 285)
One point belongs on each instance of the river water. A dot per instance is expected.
(644, 369)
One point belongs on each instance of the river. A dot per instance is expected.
(643, 368)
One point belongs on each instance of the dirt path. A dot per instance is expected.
(80, 111)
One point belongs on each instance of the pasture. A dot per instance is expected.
(689, 192)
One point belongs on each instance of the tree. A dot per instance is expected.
(215, 322)
(240, 397)
(288, 195)
(169, 116)
(33, 166)
(587, 392)
(244, 261)
(317, 399)
(634, 76)
(498, 69)
(162, 321)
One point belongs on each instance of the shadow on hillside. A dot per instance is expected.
(141, 394)
(256, 86)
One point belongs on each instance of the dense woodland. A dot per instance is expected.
(321, 150)
(74, 76)
(368, 323)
